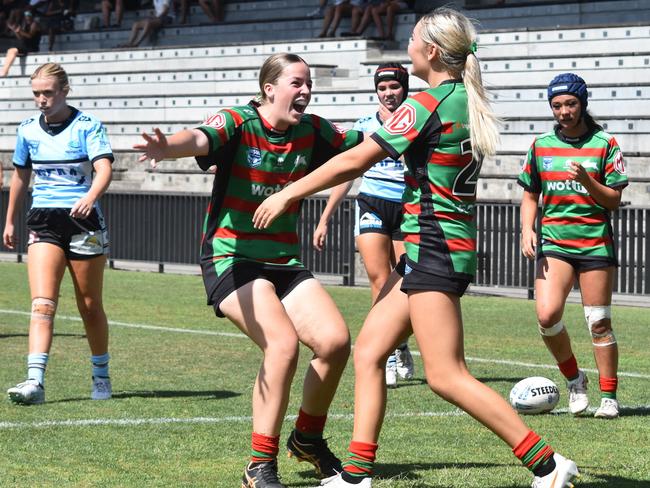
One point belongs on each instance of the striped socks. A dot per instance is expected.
(360, 462)
(608, 387)
(535, 454)
(100, 365)
(36, 364)
(264, 448)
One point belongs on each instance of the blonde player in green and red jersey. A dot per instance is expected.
(254, 277)
(444, 133)
(579, 171)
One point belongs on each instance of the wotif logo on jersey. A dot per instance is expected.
(566, 185)
(254, 157)
(259, 190)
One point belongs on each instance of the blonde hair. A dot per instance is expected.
(455, 36)
(53, 70)
(272, 70)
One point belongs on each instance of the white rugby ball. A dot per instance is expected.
(533, 395)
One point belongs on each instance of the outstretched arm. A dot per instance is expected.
(189, 142)
(341, 168)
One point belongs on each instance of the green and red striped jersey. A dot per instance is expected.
(254, 161)
(573, 222)
(438, 223)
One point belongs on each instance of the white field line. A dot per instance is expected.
(234, 419)
(242, 336)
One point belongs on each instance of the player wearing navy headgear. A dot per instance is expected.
(70, 156)
(378, 206)
(580, 173)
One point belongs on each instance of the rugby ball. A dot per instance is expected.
(534, 395)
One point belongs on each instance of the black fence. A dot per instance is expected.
(166, 228)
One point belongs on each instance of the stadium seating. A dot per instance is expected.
(178, 86)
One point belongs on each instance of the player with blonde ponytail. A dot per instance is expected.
(444, 132)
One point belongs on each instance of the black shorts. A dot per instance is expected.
(580, 263)
(415, 279)
(219, 287)
(79, 238)
(379, 216)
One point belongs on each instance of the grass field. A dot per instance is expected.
(182, 381)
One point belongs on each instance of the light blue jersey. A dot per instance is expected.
(61, 157)
(386, 178)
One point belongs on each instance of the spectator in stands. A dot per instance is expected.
(335, 13)
(579, 171)
(56, 19)
(107, 7)
(213, 9)
(28, 39)
(378, 213)
(390, 8)
(255, 278)
(69, 155)
(147, 27)
(444, 133)
(12, 11)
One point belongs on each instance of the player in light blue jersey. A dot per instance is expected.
(378, 207)
(70, 156)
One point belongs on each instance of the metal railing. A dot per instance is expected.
(166, 228)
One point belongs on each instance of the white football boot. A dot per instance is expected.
(608, 409)
(391, 372)
(102, 389)
(578, 399)
(404, 362)
(562, 476)
(30, 392)
(338, 482)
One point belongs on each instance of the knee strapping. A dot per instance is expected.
(43, 310)
(551, 331)
(601, 335)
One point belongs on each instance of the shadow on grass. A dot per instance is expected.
(405, 472)
(56, 334)
(501, 379)
(206, 395)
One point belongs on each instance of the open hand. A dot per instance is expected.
(154, 148)
(270, 209)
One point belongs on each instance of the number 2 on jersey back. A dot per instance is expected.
(467, 179)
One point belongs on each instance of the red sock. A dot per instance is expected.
(310, 425)
(533, 451)
(569, 368)
(361, 459)
(608, 387)
(264, 448)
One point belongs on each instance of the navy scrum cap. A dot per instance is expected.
(568, 84)
(393, 71)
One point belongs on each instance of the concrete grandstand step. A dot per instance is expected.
(348, 54)
(564, 14)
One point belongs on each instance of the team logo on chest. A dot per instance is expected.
(547, 163)
(254, 157)
(402, 120)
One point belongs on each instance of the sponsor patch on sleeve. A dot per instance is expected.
(217, 121)
(619, 163)
(402, 121)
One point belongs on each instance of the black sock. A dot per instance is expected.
(546, 468)
(354, 480)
